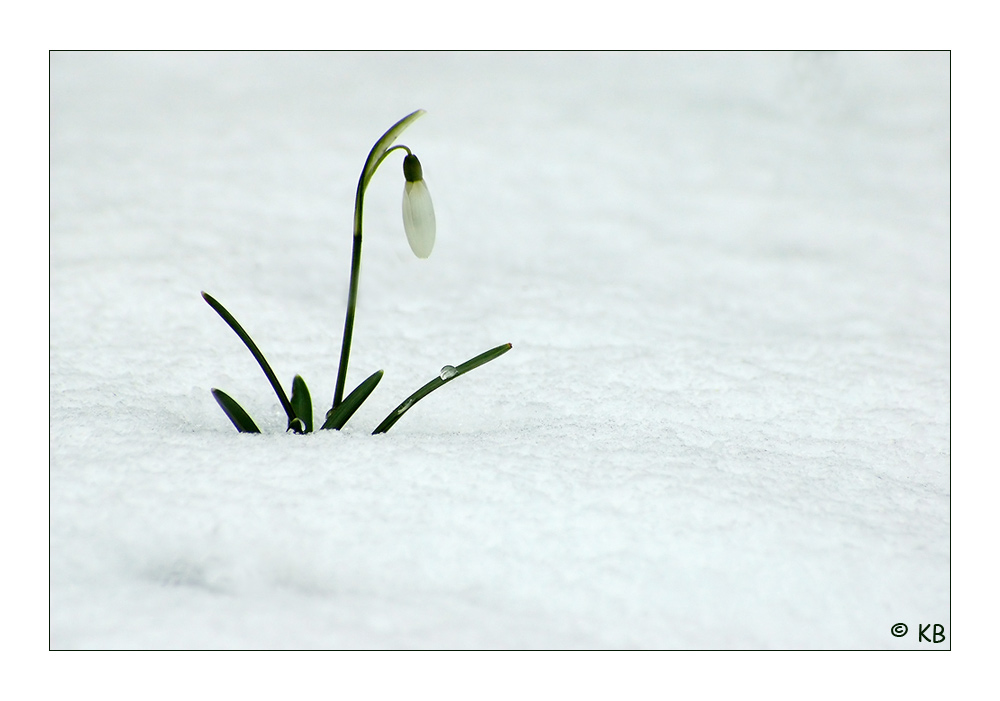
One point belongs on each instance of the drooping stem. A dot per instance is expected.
(375, 157)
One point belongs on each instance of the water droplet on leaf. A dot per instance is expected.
(448, 372)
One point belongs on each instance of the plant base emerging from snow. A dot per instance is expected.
(419, 225)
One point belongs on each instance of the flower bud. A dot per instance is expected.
(418, 210)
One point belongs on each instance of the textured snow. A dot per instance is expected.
(724, 422)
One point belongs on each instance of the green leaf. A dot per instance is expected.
(302, 404)
(448, 373)
(241, 420)
(339, 414)
(255, 351)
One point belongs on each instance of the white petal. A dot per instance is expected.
(418, 218)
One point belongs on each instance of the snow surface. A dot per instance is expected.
(724, 422)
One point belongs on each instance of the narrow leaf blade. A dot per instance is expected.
(442, 379)
(255, 352)
(241, 420)
(302, 403)
(340, 414)
(481, 359)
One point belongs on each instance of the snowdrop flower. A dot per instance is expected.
(419, 223)
(418, 211)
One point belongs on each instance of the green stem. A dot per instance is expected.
(375, 157)
(352, 303)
